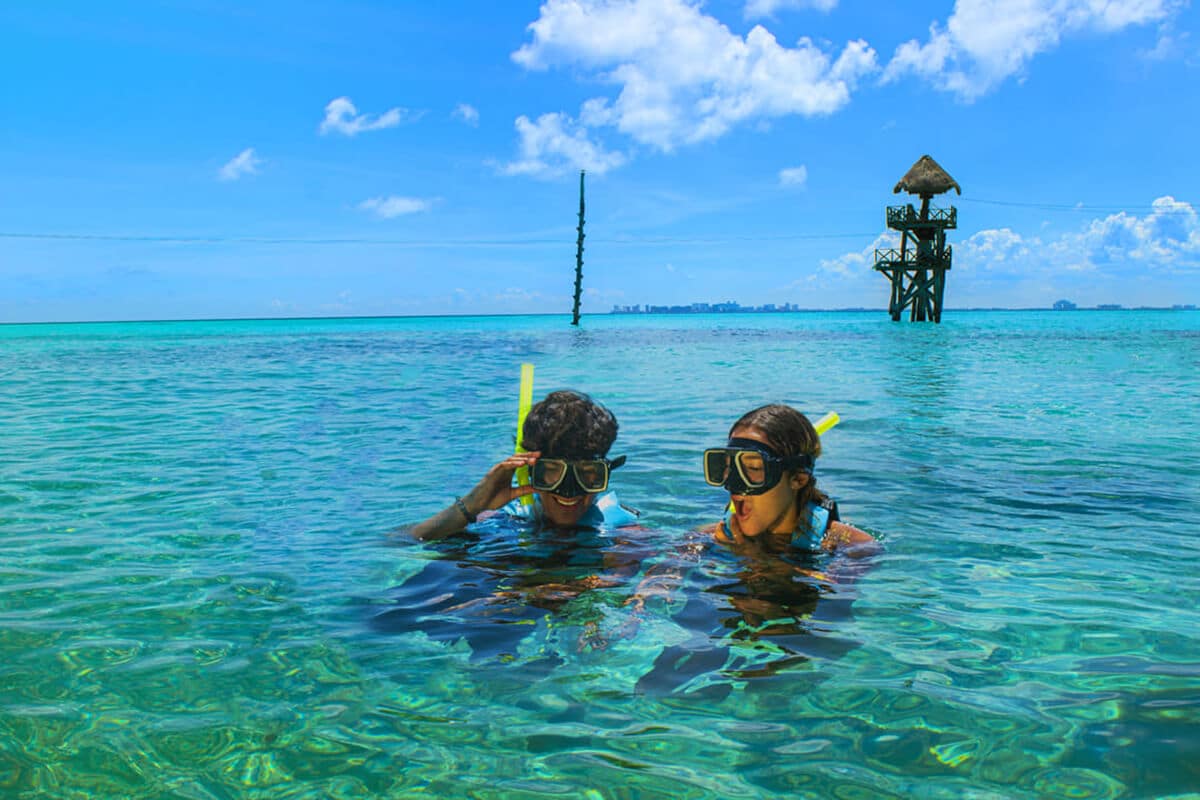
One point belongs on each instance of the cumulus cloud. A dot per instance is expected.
(394, 206)
(984, 42)
(1092, 263)
(1166, 239)
(793, 176)
(244, 163)
(756, 9)
(858, 264)
(680, 76)
(342, 117)
(556, 143)
(1169, 45)
(468, 114)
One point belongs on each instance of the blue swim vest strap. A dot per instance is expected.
(607, 512)
(820, 515)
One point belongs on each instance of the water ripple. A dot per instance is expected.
(193, 522)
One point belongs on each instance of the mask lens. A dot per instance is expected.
(548, 473)
(716, 467)
(741, 470)
(752, 468)
(592, 475)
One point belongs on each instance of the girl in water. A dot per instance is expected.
(778, 521)
(767, 468)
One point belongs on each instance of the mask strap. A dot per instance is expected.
(752, 444)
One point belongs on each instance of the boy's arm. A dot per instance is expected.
(494, 491)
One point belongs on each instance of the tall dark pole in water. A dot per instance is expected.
(578, 256)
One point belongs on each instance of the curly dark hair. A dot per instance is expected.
(569, 424)
(790, 434)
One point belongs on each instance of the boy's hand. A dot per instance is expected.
(496, 489)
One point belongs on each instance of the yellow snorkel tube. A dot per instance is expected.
(826, 423)
(524, 403)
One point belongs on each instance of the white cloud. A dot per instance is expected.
(393, 206)
(342, 117)
(858, 264)
(993, 249)
(1094, 263)
(756, 9)
(984, 41)
(244, 163)
(467, 113)
(1167, 239)
(555, 144)
(1169, 46)
(681, 75)
(793, 176)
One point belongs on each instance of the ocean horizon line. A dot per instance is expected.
(746, 313)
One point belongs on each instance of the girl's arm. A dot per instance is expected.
(849, 539)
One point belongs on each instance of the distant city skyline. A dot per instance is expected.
(199, 160)
(731, 307)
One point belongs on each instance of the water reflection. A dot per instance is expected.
(704, 617)
(492, 587)
(750, 614)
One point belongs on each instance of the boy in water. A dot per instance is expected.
(568, 436)
(521, 561)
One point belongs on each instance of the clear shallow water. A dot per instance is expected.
(196, 575)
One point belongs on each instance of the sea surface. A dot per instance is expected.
(206, 590)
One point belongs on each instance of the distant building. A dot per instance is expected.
(728, 307)
(1109, 307)
(1064, 305)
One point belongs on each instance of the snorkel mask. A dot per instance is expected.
(570, 478)
(749, 467)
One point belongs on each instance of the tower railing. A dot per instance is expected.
(906, 216)
(889, 258)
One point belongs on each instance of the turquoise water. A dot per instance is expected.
(199, 596)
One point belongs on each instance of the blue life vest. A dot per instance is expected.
(820, 515)
(605, 512)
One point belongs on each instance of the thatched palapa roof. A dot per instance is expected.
(926, 178)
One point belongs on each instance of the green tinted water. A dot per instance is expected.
(194, 563)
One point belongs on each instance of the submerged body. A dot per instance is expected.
(494, 583)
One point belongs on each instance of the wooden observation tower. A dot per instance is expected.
(918, 269)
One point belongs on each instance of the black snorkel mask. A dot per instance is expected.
(749, 467)
(570, 478)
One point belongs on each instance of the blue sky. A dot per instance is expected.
(198, 159)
